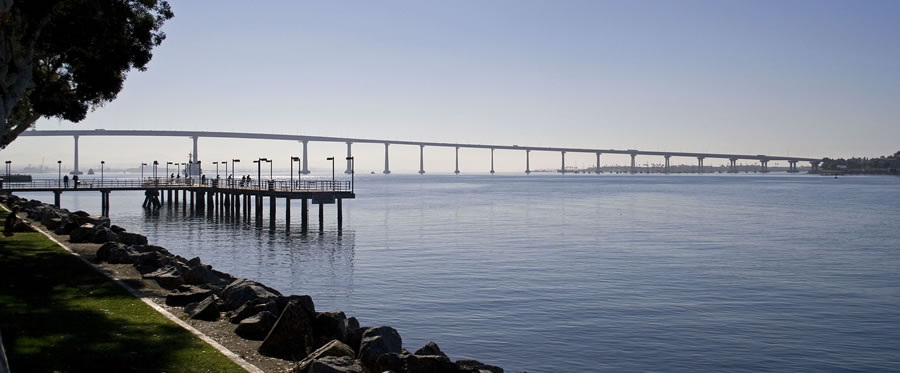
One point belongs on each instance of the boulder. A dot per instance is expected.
(117, 229)
(378, 341)
(83, 233)
(104, 250)
(202, 274)
(350, 325)
(332, 348)
(241, 291)
(53, 223)
(354, 337)
(430, 364)
(475, 366)
(205, 309)
(186, 294)
(81, 218)
(252, 308)
(256, 327)
(168, 277)
(66, 227)
(291, 338)
(392, 362)
(194, 262)
(129, 238)
(430, 348)
(103, 234)
(328, 326)
(332, 364)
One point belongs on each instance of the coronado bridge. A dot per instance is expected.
(304, 140)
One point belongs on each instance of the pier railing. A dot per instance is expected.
(302, 185)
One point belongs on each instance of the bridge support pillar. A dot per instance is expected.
(814, 166)
(305, 169)
(492, 161)
(340, 215)
(632, 163)
(563, 169)
(387, 158)
(104, 203)
(732, 166)
(699, 165)
(272, 203)
(597, 170)
(56, 197)
(196, 157)
(667, 163)
(349, 154)
(764, 166)
(421, 159)
(192, 200)
(76, 171)
(321, 217)
(259, 210)
(287, 213)
(457, 161)
(527, 162)
(304, 215)
(176, 198)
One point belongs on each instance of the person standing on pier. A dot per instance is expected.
(66, 181)
(75, 182)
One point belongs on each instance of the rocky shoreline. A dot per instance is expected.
(285, 331)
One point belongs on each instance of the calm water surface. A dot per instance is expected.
(588, 273)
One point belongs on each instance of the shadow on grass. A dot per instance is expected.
(58, 314)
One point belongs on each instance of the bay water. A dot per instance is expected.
(576, 273)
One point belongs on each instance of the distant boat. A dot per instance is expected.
(90, 171)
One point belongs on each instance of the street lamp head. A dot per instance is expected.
(349, 158)
(155, 162)
(329, 159)
(169, 163)
(295, 159)
(235, 160)
(102, 162)
(60, 162)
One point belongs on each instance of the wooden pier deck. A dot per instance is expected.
(228, 198)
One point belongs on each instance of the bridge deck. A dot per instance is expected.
(276, 188)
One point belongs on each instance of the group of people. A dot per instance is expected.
(74, 181)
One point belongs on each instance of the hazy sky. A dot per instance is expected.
(805, 78)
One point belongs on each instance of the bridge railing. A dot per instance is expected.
(304, 185)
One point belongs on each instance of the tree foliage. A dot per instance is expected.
(62, 58)
(889, 164)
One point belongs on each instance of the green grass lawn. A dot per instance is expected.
(59, 315)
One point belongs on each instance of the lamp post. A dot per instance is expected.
(189, 170)
(259, 171)
(142, 171)
(8, 169)
(332, 171)
(294, 159)
(225, 164)
(178, 169)
(352, 174)
(217, 168)
(155, 167)
(59, 176)
(167, 170)
(232, 168)
(102, 164)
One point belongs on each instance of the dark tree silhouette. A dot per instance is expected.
(61, 58)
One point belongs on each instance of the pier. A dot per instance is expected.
(237, 200)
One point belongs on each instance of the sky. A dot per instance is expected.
(801, 78)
